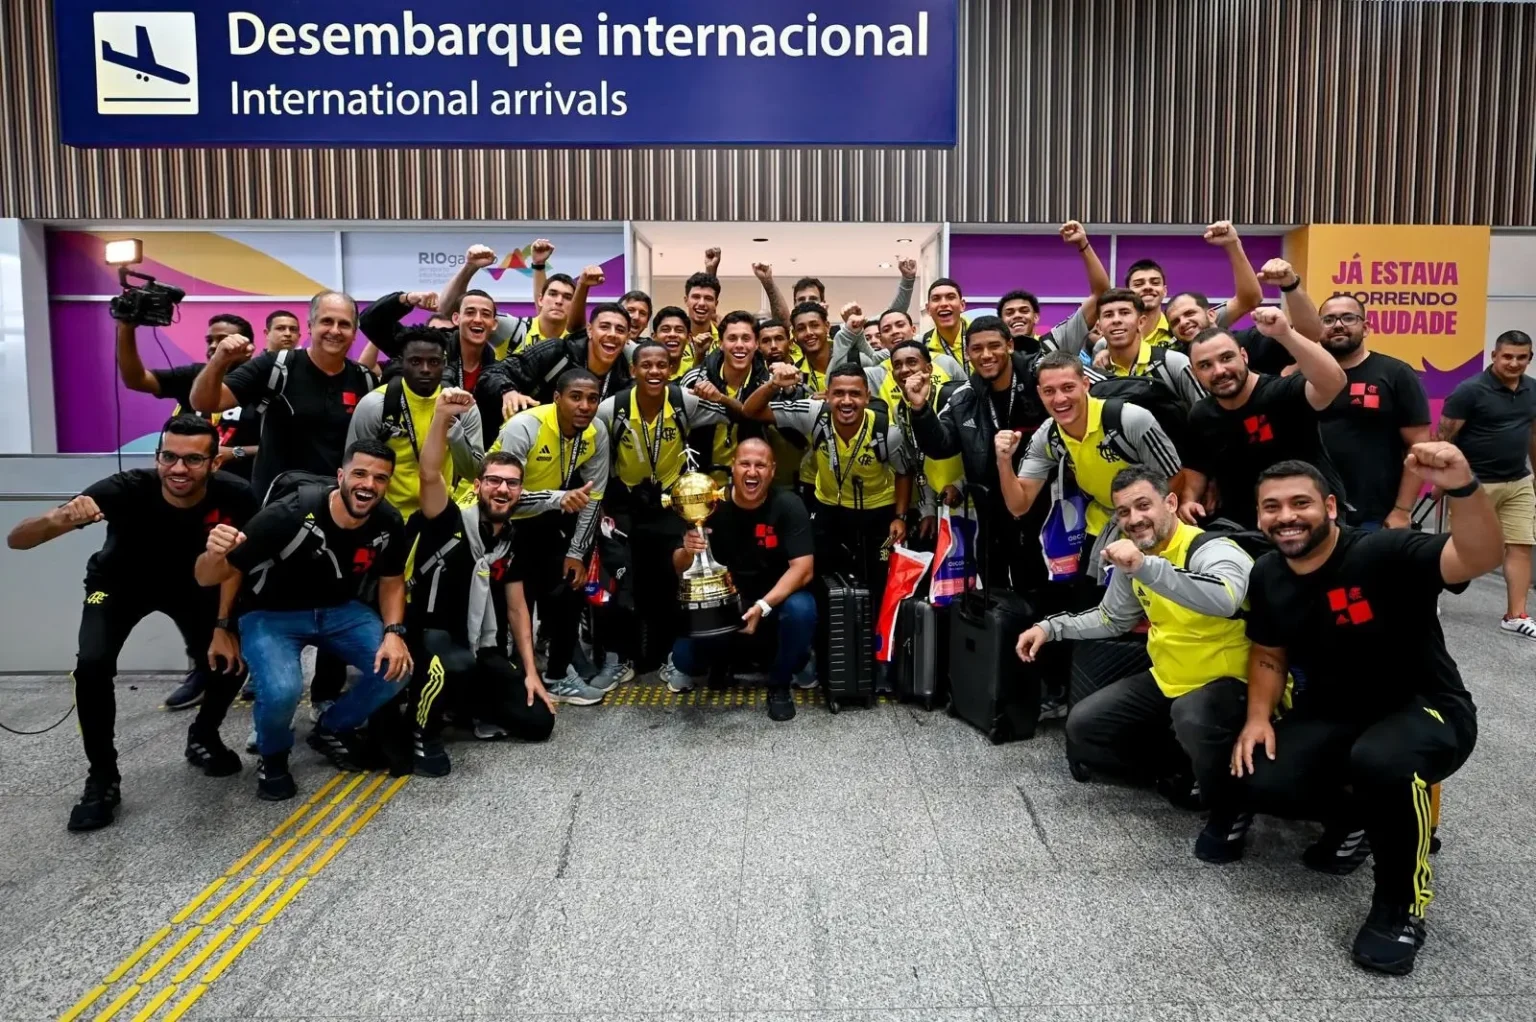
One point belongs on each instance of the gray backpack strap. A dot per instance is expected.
(277, 382)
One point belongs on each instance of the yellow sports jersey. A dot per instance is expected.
(404, 491)
(1094, 465)
(651, 450)
(815, 379)
(940, 472)
(1160, 336)
(685, 364)
(1187, 648)
(1140, 367)
(530, 337)
(552, 461)
(937, 345)
(727, 434)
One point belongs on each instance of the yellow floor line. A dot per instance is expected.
(192, 906)
(228, 900)
(298, 860)
(186, 1003)
(256, 902)
(327, 856)
(282, 902)
(117, 1004)
(186, 971)
(229, 956)
(170, 955)
(245, 860)
(138, 953)
(83, 1004)
(148, 1011)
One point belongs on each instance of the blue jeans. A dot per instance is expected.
(792, 624)
(271, 641)
(1369, 527)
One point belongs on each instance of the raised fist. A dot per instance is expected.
(233, 349)
(592, 275)
(1006, 442)
(479, 256)
(784, 375)
(1073, 234)
(1271, 321)
(224, 538)
(454, 402)
(541, 250)
(81, 511)
(908, 266)
(763, 272)
(1221, 233)
(1276, 272)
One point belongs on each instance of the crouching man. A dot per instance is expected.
(763, 535)
(1190, 585)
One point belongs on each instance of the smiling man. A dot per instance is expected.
(727, 376)
(528, 378)
(303, 562)
(670, 329)
(1190, 586)
(946, 307)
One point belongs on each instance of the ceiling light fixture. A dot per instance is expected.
(885, 266)
(903, 241)
(759, 239)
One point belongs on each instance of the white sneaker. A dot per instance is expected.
(615, 672)
(1522, 625)
(676, 680)
(250, 742)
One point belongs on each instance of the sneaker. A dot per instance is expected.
(317, 710)
(1390, 939)
(615, 672)
(781, 703)
(1522, 625)
(571, 689)
(188, 694)
(488, 732)
(1053, 709)
(251, 744)
(1338, 852)
(1181, 790)
(676, 680)
(337, 746)
(805, 677)
(273, 781)
(209, 752)
(1223, 838)
(98, 804)
(431, 758)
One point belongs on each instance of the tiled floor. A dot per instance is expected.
(702, 863)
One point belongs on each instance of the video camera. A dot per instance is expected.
(149, 303)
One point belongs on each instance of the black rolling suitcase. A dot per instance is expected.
(920, 659)
(848, 669)
(1097, 663)
(990, 687)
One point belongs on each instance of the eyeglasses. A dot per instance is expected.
(1347, 318)
(169, 458)
(502, 483)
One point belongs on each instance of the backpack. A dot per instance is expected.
(1150, 393)
(621, 415)
(397, 417)
(1252, 542)
(822, 431)
(277, 382)
(314, 497)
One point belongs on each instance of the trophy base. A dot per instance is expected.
(711, 606)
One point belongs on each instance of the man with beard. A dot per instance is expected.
(1380, 413)
(564, 454)
(1147, 279)
(1251, 421)
(1490, 416)
(773, 342)
(462, 554)
(860, 467)
(1190, 312)
(1190, 586)
(305, 560)
(1000, 395)
(648, 426)
(157, 524)
(940, 479)
(726, 378)
(1385, 715)
(528, 379)
(763, 536)
(1092, 437)
(400, 412)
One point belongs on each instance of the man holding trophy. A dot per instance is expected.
(762, 537)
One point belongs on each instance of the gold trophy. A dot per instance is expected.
(707, 593)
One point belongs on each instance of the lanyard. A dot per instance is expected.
(569, 471)
(653, 448)
(992, 411)
(840, 472)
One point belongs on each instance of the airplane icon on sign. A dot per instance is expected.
(142, 61)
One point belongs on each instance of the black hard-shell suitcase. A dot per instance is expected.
(921, 650)
(848, 670)
(990, 687)
(1097, 663)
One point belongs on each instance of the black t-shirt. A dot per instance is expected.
(1496, 437)
(325, 570)
(1232, 447)
(1362, 431)
(1265, 354)
(307, 418)
(238, 427)
(151, 544)
(440, 586)
(757, 545)
(1362, 628)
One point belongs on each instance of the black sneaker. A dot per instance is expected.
(98, 804)
(273, 781)
(189, 693)
(209, 752)
(1053, 708)
(431, 758)
(781, 703)
(1223, 838)
(1181, 790)
(340, 747)
(1338, 852)
(1390, 939)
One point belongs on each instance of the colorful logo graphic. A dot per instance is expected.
(519, 259)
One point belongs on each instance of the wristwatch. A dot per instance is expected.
(537, 266)
(395, 630)
(764, 606)
(225, 623)
(1464, 491)
(237, 453)
(1288, 288)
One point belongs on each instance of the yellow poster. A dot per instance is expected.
(1425, 290)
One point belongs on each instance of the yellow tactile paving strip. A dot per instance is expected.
(175, 965)
(656, 694)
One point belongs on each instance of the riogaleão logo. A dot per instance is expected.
(519, 259)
